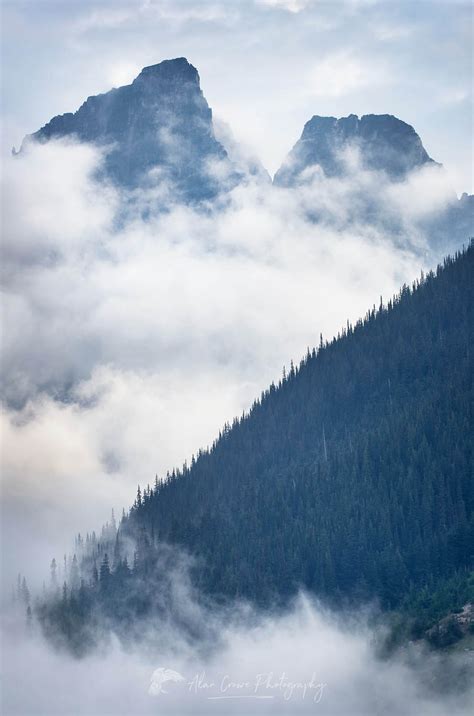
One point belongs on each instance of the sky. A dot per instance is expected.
(266, 66)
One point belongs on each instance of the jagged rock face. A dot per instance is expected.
(160, 122)
(384, 143)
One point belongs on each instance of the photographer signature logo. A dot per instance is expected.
(160, 677)
(262, 686)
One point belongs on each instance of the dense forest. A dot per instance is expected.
(351, 478)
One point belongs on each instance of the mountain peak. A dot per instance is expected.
(176, 70)
(160, 121)
(385, 143)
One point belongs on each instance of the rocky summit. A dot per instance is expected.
(383, 142)
(158, 133)
(159, 127)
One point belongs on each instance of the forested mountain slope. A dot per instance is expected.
(352, 478)
(354, 475)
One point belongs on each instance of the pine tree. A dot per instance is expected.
(138, 501)
(75, 576)
(95, 575)
(104, 571)
(25, 592)
(29, 619)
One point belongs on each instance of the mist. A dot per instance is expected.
(304, 660)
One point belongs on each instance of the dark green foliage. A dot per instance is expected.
(422, 613)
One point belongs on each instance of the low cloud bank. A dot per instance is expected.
(306, 660)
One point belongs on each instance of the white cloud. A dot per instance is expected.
(391, 32)
(130, 347)
(454, 96)
(426, 191)
(50, 205)
(122, 73)
(304, 661)
(289, 5)
(296, 6)
(343, 73)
